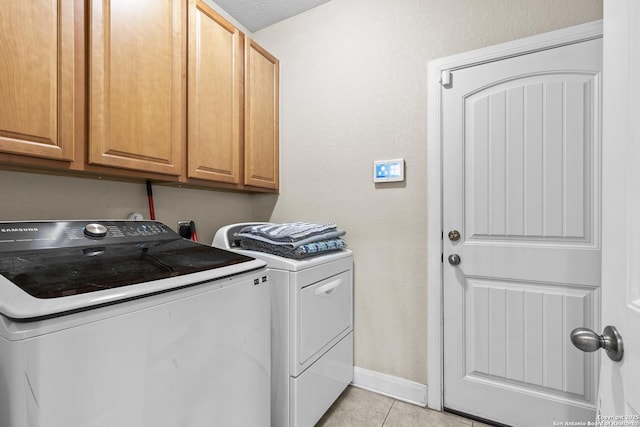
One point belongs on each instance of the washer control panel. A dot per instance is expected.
(42, 235)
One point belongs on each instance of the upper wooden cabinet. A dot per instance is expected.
(233, 104)
(261, 85)
(137, 93)
(100, 86)
(215, 97)
(37, 78)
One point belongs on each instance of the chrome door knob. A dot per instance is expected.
(454, 259)
(587, 340)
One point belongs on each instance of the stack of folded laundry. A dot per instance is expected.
(292, 240)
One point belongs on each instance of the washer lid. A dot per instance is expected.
(68, 262)
(54, 273)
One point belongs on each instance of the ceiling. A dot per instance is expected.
(258, 14)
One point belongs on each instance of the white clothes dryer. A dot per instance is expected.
(312, 330)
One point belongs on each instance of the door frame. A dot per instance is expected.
(435, 273)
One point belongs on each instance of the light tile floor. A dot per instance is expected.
(361, 408)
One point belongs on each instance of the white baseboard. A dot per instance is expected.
(388, 385)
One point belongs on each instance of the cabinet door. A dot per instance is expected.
(137, 84)
(37, 83)
(215, 97)
(261, 153)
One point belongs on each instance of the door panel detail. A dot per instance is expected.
(529, 159)
(517, 334)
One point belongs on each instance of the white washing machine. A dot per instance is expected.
(312, 330)
(119, 323)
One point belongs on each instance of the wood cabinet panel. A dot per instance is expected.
(133, 77)
(215, 97)
(137, 84)
(261, 140)
(37, 78)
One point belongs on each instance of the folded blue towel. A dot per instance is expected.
(303, 251)
(291, 234)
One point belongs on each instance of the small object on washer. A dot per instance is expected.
(192, 228)
(152, 211)
(136, 216)
(184, 230)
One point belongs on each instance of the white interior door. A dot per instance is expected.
(521, 184)
(619, 393)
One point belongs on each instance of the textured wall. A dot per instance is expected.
(353, 90)
(28, 196)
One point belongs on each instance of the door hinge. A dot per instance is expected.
(442, 258)
(446, 79)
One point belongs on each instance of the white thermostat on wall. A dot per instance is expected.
(388, 170)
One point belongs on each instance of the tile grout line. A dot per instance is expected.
(388, 412)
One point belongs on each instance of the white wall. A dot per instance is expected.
(353, 90)
(27, 196)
